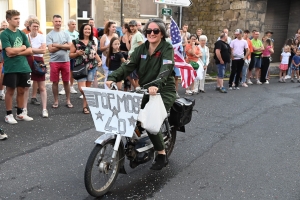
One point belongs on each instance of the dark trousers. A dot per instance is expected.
(265, 63)
(236, 69)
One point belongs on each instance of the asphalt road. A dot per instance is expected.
(240, 145)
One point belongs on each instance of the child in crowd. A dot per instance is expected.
(295, 66)
(114, 57)
(284, 59)
(266, 55)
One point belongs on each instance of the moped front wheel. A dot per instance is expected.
(101, 170)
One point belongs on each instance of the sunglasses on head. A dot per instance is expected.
(155, 31)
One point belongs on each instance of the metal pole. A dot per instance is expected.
(180, 17)
(164, 16)
(122, 15)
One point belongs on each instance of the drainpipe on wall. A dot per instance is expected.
(180, 16)
(122, 15)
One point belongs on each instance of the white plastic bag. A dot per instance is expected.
(153, 115)
(200, 70)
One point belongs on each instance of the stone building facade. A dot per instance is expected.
(281, 17)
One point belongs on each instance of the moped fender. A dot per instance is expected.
(111, 136)
(105, 137)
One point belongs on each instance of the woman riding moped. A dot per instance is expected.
(149, 59)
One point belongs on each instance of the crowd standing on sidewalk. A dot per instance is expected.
(68, 49)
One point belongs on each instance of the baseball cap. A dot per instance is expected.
(132, 22)
(269, 32)
(238, 31)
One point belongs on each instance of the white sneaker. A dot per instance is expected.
(244, 85)
(10, 119)
(267, 82)
(23, 116)
(287, 77)
(2, 97)
(249, 82)
(258, 82)
(188, 92)
(45, 113)
(62, 92)
(3, 136)
(72, 90)
(81, 97)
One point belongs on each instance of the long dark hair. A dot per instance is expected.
(81, 34)
(110, 51)
(126, 26)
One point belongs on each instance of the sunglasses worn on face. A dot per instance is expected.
(155, 31)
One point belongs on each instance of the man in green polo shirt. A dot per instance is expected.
(255, 62)
(15, 47)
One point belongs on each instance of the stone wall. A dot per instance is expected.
(215, 15)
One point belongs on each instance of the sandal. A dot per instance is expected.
(55, 105)
(69, 105)
(86, 110)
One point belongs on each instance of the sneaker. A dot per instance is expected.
(267, 82)
(292, 80)
(244, 85)
(2, 97)
(3, 136)
(287, 77)
(237, 88)
(81, 97)
(230, 88)
(188, 92)
(45, 113)
(195, 92)
(249, 82)
(23, 116)
(35, 101)
(280, 80)
(72, 90)
(233, 88)
(258, 82)
(223, 90)
(62, 92)
(10, 119)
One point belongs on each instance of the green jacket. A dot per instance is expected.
(148, 68)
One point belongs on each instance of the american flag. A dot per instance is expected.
(188, 74)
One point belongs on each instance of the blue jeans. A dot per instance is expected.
(244, 72)
(221, 70)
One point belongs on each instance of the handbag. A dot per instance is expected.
(200, 70)
(80, 71)
(153, 114)
(181, 112)
(39, 67)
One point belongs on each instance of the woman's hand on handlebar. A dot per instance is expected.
(152, 90)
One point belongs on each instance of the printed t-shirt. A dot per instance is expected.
(73, 35)
(115, 61)
(16, 64)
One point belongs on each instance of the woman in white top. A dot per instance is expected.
(109, 32)
(204, 59)
(38, 44)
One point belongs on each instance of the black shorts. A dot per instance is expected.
(14, 80)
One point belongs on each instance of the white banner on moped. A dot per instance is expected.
(113, 111)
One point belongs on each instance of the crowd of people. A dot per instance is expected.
(21, 49)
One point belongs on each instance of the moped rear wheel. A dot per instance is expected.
(101, 170)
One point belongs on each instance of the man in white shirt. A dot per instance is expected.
(238, 57)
